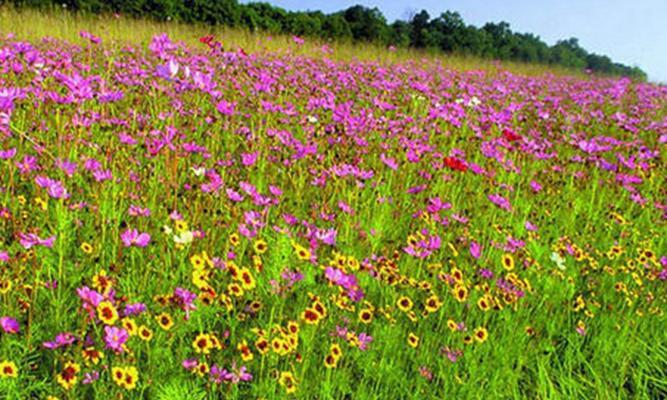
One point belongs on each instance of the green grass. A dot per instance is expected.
(622, 355)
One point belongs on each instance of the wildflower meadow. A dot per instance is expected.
(201, 221)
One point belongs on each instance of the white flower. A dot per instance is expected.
(560, 262)
(184, 238)
(311, 119)
(198, 171)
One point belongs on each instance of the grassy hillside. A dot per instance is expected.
(34, 25)
(183, 221)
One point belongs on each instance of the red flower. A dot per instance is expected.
(456, 164)
(510, 135)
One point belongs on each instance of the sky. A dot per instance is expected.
(633, 32)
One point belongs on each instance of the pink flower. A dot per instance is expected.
(9, 325)
(54, 188)
(29, 240)
(475, 249)
(115, 338)
(248, 159)
(132, 237)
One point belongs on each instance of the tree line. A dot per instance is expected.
(447, 32)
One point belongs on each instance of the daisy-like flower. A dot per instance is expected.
(115, 338)
(9, 325)
(287, 381)
(132, 237)
(107, 312)
(165, 321)
(8, 369)
(68, 377)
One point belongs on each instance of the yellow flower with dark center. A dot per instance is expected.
(165, 321)
(5, 286)
(335, 351)
(246, 278)
(181, 226)
(262, 345)
(260, 246)
(301, 252)
(330, 361)
(460, 293)
(235, 289)
(413, 340)
(246, 353)
(287, 381)
(508, 262)
(481, 334)
(202, 344)
(92, 356)
(311, 316)
(86, 247)
(365, 316)
(8, 369)
(404, 303)
(432, 304)
(145, 333)
(484, 303)
(68, 377)
(107, 313)
(129, 325)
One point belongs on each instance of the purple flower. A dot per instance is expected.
(500, 201)
(29, 240)
(6, 154)
(475, 249)
(132, 237)
(248, 159)
(134, 309)
(62, 340)
(53, 187)
(9, 325)
(90, 377)
(115, 338)
(234, 195)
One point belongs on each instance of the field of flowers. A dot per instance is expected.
(197, 221)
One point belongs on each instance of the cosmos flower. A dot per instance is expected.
(132, 237)
(115, 338)
(9, 325)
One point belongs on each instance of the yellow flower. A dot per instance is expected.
(301, 252)
(129, 325)
(404, 303)
(246, 278)
(508, 262)
(365, 316)
(8, 369)
(145, 333)
(67, 378)
(202, 344)
(86, 247)
(481, 334)
(260, 246)
(287, 381)
(181, 225)
(246, 354)
(107, 313)
(413, 340)
(165, 321)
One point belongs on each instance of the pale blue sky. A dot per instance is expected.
(633, 32)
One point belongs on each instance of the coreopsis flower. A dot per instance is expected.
(107, 312)
(68, 377)
(8, 369)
